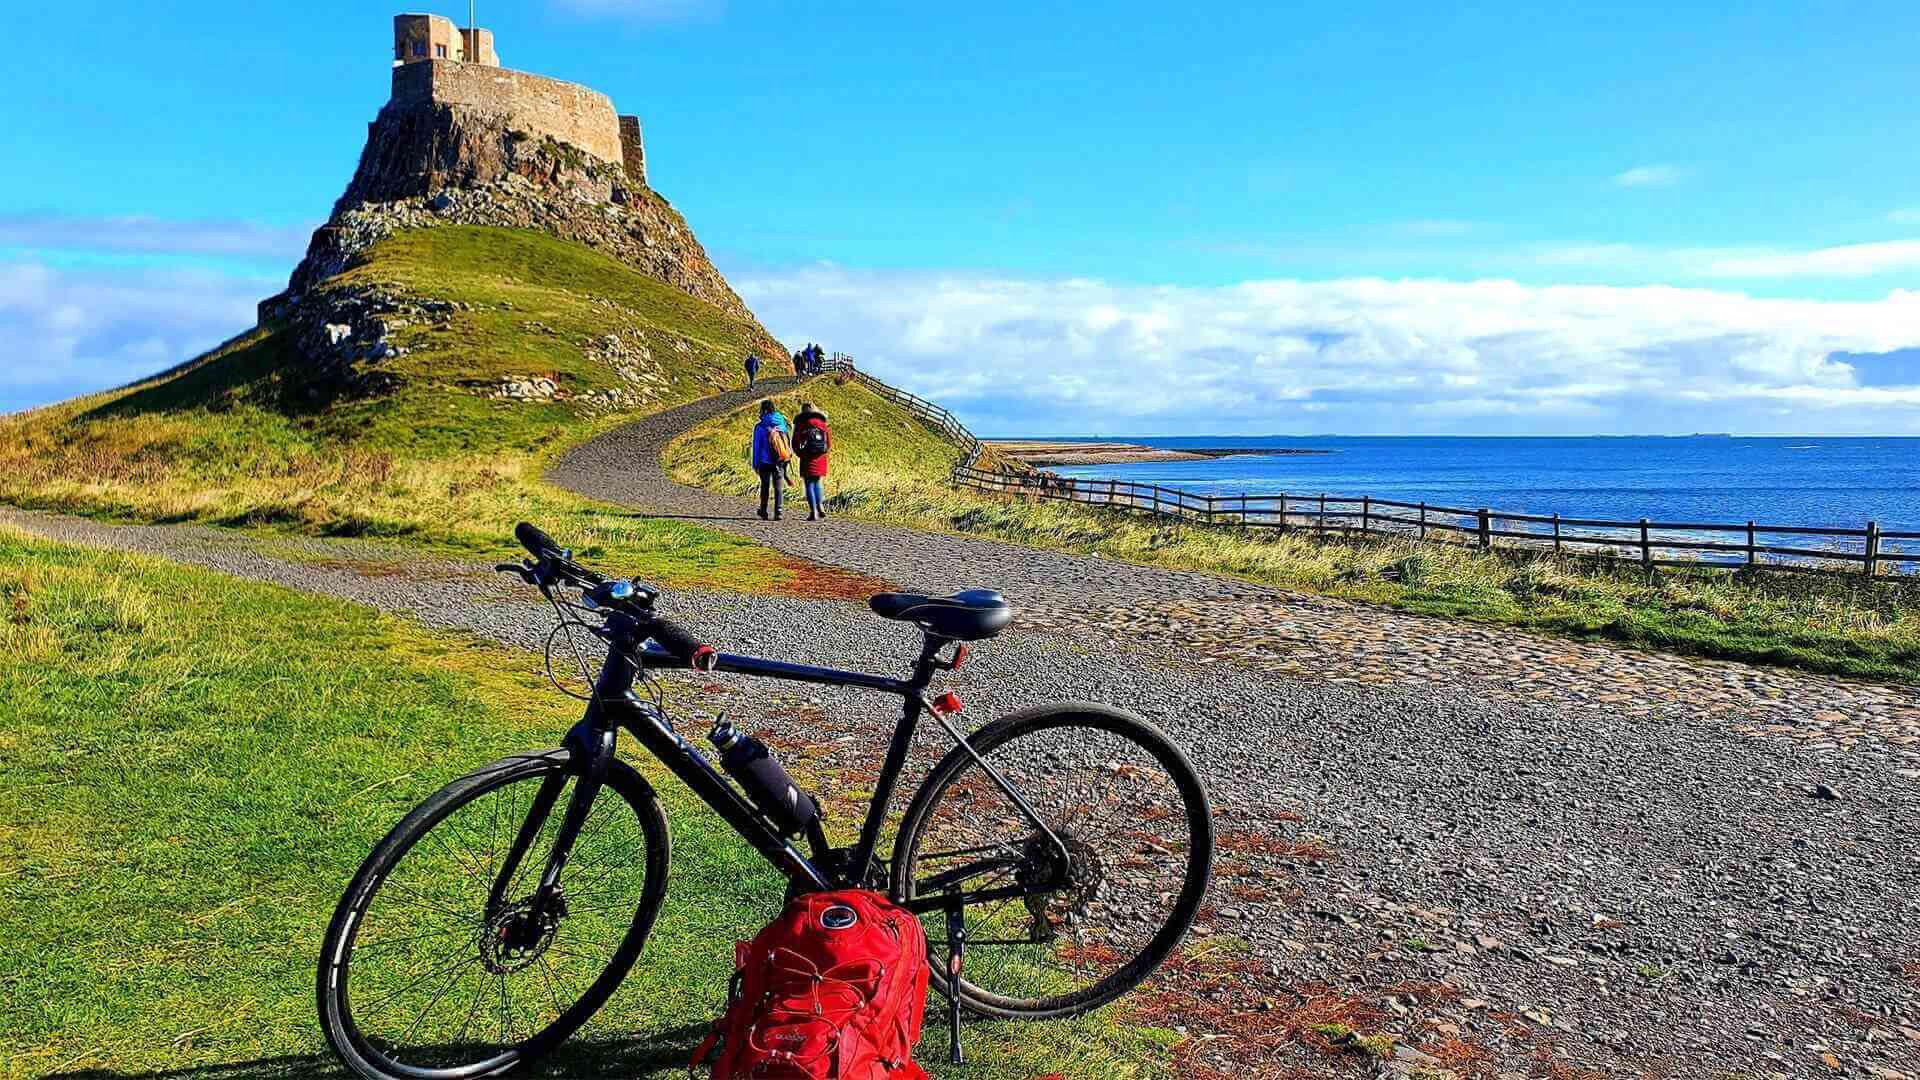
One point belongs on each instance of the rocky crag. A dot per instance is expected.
(432, 164)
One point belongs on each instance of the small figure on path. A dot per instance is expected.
(769, 453)
(753, 369)
(812, 441)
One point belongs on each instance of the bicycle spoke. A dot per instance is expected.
(418, 1020)
(1104, 798)
(438, 982)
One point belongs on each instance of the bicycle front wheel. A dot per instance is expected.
(439, 967)
(1083, 925)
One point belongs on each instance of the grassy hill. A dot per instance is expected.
(256, 434)
(877, 445)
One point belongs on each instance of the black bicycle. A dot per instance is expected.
(1057, 854)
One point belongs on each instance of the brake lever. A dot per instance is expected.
(525, 572)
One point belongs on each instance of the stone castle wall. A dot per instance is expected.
(535, 104)
(633, 149)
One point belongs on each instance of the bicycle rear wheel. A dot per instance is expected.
(423, 978)
(1134, 818)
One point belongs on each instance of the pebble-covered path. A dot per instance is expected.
(1219, 619)
(1444, 833)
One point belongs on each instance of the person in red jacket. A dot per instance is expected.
(812, 442)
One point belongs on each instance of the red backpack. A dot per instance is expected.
(834, 989)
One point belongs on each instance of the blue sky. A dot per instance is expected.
(1093, 217)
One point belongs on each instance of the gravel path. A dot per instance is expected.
(1549, 884)
(624, 466)
(1268, 628)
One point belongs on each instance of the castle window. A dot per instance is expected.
(440, 51)
(419, 48)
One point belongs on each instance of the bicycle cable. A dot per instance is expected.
(656, 691)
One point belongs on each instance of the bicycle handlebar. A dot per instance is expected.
(671, 636)
(685, 648)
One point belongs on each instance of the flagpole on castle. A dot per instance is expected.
(473, 36)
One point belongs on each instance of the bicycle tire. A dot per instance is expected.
(1195, 878)
(332, 986)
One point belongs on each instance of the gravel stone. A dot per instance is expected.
(1573, 874)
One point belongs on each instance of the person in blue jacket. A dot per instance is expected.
(769, 453)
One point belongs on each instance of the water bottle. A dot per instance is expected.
(767, 784)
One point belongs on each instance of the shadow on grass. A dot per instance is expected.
(265, 371)
(589, 1057)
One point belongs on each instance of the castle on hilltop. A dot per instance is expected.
(437, 63)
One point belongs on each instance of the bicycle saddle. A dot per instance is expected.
(964, 616)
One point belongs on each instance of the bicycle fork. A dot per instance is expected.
(594, 746)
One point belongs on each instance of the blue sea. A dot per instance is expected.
(1842, 482)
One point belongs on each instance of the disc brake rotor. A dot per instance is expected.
(517, 935)
(1066, 890)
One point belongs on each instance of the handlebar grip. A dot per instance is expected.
(537, 543)
(684, 646)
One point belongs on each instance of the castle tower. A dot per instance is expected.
(434, 37)
(633, 152)
(431, 67)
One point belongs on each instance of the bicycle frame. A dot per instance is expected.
(614, 706)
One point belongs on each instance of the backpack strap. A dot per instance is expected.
(704, 1052)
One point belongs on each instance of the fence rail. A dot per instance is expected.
(1734, 545)
(947, 423)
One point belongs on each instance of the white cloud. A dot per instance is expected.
(1368, 354)
(64, 332)
(1755, 263)
(154, 236)
(1843, 260)
(1646, 176)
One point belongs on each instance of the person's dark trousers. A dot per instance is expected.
(773, 481)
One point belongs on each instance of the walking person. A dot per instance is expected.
(812, 442)
(769, 452)
(753, 369)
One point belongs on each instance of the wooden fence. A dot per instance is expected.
(935, 416)
(1736, 545)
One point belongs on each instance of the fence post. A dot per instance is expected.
(1109, 492)
(1423, 519)
(1556, 534)
(1646, 548)
(1243, 510)
(1209, 509)
(1366, 514)
(1283, 512)
(1753, 556)
(1873, 547)
(1486, 527)
(1321, 520)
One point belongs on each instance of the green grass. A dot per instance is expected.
(193, 765)
(889, 468)
(878, 447)
(244, 437)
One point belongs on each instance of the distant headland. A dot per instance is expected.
(1042, 454)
